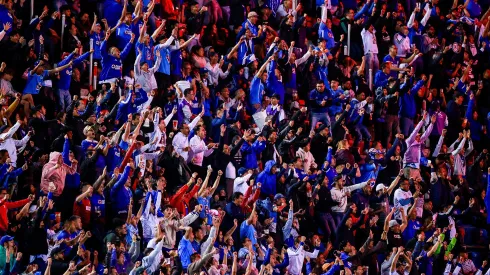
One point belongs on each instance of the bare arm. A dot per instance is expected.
(404, 224)
(59, 69)
(234, 266)
(387, 220)
(84, 194)
(234, 49)
(92, 30)
(205, 183)
(187, 42)
(216, 183)
(262, 69)
(155, 34)
(123, 13)
(116, 26)
(130, 211)
(232, 229)
(394, 183)
(142, 31)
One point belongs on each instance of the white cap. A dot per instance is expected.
(393, 223)
(32, 209)
(252, 14)
(380, 187)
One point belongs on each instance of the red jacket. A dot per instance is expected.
(249, 199)
(181, 199)
(5, 206)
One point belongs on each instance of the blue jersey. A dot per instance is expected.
(112, 11)
(395, 63)
(34, 83)
(97, 201)
(5, 17)
(112, 66)
(123, 34)
(136, 26)
(411, 230)
(86, 144)
(195, 108)
(146, 55)
(98, 38)
(256, 91)
(113, 158)
(65, 75)
(176, 62)
(65, 235)
(248, 231)
(327, 34)
(206, 206)
(165, 63)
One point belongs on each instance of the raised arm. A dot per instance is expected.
(264, 66)
(92, 30)
(205, 183)
(234, 49)
(394, 183)
(155, 34)
(59, 69)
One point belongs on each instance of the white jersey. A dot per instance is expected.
(402, 199)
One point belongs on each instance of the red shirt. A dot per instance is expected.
(83, 209)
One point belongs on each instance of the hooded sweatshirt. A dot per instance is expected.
(268, 179)
(55, 175)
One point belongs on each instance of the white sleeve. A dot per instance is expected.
(197, 145)
(426, 17)
(411, 20)
(11, 132)
(193, 124)
(167, 119)
(313, 254)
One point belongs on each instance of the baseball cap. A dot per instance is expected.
(252, 14)
(242, 171)
(57, 250)
(393, 223)
(380, 187)
(5, 239)
(279, 196)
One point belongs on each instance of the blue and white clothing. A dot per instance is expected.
(402, 199)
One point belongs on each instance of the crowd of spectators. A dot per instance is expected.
(259, 137)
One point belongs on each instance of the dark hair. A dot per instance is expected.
(117, 222)
(199, 127)
(194, 256)
(236, 195)
(9, 71)
(187, 91)
(195, 49)
(73, 218)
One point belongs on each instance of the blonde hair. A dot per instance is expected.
(86, 129)
(342, 144)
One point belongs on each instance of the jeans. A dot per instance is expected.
(327, 222)
(362, 133)
(406, 126)
(409, 172)
(337, 217)
(319, 117)
(64, 99)
(226, 13)
(372, 62)
(392, 127)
